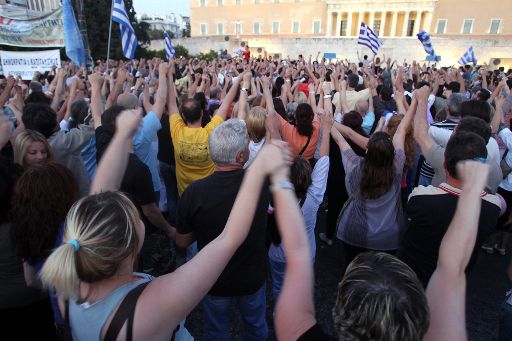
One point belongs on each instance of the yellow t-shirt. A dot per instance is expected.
(191, 152)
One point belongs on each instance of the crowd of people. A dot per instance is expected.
(231, 160)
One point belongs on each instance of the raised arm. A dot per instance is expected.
(116, 90)
(192, 281)
(246, 83)
(59, 90)
(96, 80)
(112, 166)
(446, 290)
(327, 120)
(226, 102)
(339, 139)
(172, 105)
(420, 120)
(161, 94)
(295, 310)
(405, 125)
(10, 82)
(498, 114)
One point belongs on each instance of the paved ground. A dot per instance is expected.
(486, 288)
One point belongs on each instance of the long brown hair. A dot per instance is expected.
(378, 168)
(409, 143)
(42, 197)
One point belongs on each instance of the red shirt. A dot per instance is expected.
(246, 55)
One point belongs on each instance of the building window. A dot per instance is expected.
(203, 30)
(276, 1)
(343, 28)
(296, 27)
(441, 26)
(220, 29)
(495, 26)
(256, 28)
(202, 3)
(467, 27)
(376, 26)
(297, 0)
(238, 28)
(220, 2)
(410, 28)
(316, 26)
(275, 27)
(256, 1)
(238, 2)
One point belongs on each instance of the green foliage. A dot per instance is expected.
(209, 56)
(181, 51)
(97, 14)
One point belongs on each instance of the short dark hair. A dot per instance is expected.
(38, 97)
(386, 93)
(353, 80)
(483, 95)
(191, 110)
(453, 86)
(476, 108)
(475, 125)
(40, 117)
(462, 146)
(300, 175)
(108, 119)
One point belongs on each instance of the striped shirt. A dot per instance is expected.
(449, 124)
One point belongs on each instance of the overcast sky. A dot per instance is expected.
(161, 7)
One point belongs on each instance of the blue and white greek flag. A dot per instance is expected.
(169, 50)
(369, 39)
(128, 38)
(424, 37)
(468, 57)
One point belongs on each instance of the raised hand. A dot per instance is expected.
(275, 158)
(96, 79)
(128, 122)
(473, 175)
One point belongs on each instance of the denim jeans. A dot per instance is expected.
(505, 333)
(277, 270)
(252, 308)
(168, 173)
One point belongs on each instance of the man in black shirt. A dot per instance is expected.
(203, 211)
(431, 209)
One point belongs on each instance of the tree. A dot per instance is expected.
(97, 14)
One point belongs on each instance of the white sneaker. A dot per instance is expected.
(323, 237)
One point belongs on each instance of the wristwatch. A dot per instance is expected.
(244, 89)
(282, 185)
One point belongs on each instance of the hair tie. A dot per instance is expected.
(75, 243)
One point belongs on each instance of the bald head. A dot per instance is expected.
(361, 106)
(127, 100)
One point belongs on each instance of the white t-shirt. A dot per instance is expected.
(314, 199)
(254, 149)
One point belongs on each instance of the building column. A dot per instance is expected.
(428, 22)
(417, 23)
(338, 24)
(406, 24)
(382, 31)
(392, 33)
(371, 20)
(360, 16)
(329, 24)
(349, 24)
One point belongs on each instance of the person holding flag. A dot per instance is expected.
(169, 49)
(129, 40)
(468, 57)
(369, 39)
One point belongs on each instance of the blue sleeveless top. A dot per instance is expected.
(87, 319)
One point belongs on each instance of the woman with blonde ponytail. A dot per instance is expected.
(93, 268)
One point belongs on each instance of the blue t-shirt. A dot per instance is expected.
(142, 141)
(368, 121)
(88, 155)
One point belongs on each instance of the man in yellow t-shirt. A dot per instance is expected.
(189, 139)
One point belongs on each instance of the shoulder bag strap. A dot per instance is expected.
(305, 146)
(125, 312)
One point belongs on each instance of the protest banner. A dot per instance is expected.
(24, 64)
(46, 31)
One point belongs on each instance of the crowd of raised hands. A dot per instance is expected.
(96, 258)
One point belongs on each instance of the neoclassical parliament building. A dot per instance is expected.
(477, 19)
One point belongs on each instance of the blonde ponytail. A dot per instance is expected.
(59, 271)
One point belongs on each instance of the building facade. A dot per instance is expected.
(342, 18)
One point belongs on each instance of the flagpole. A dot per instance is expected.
(109, 32)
